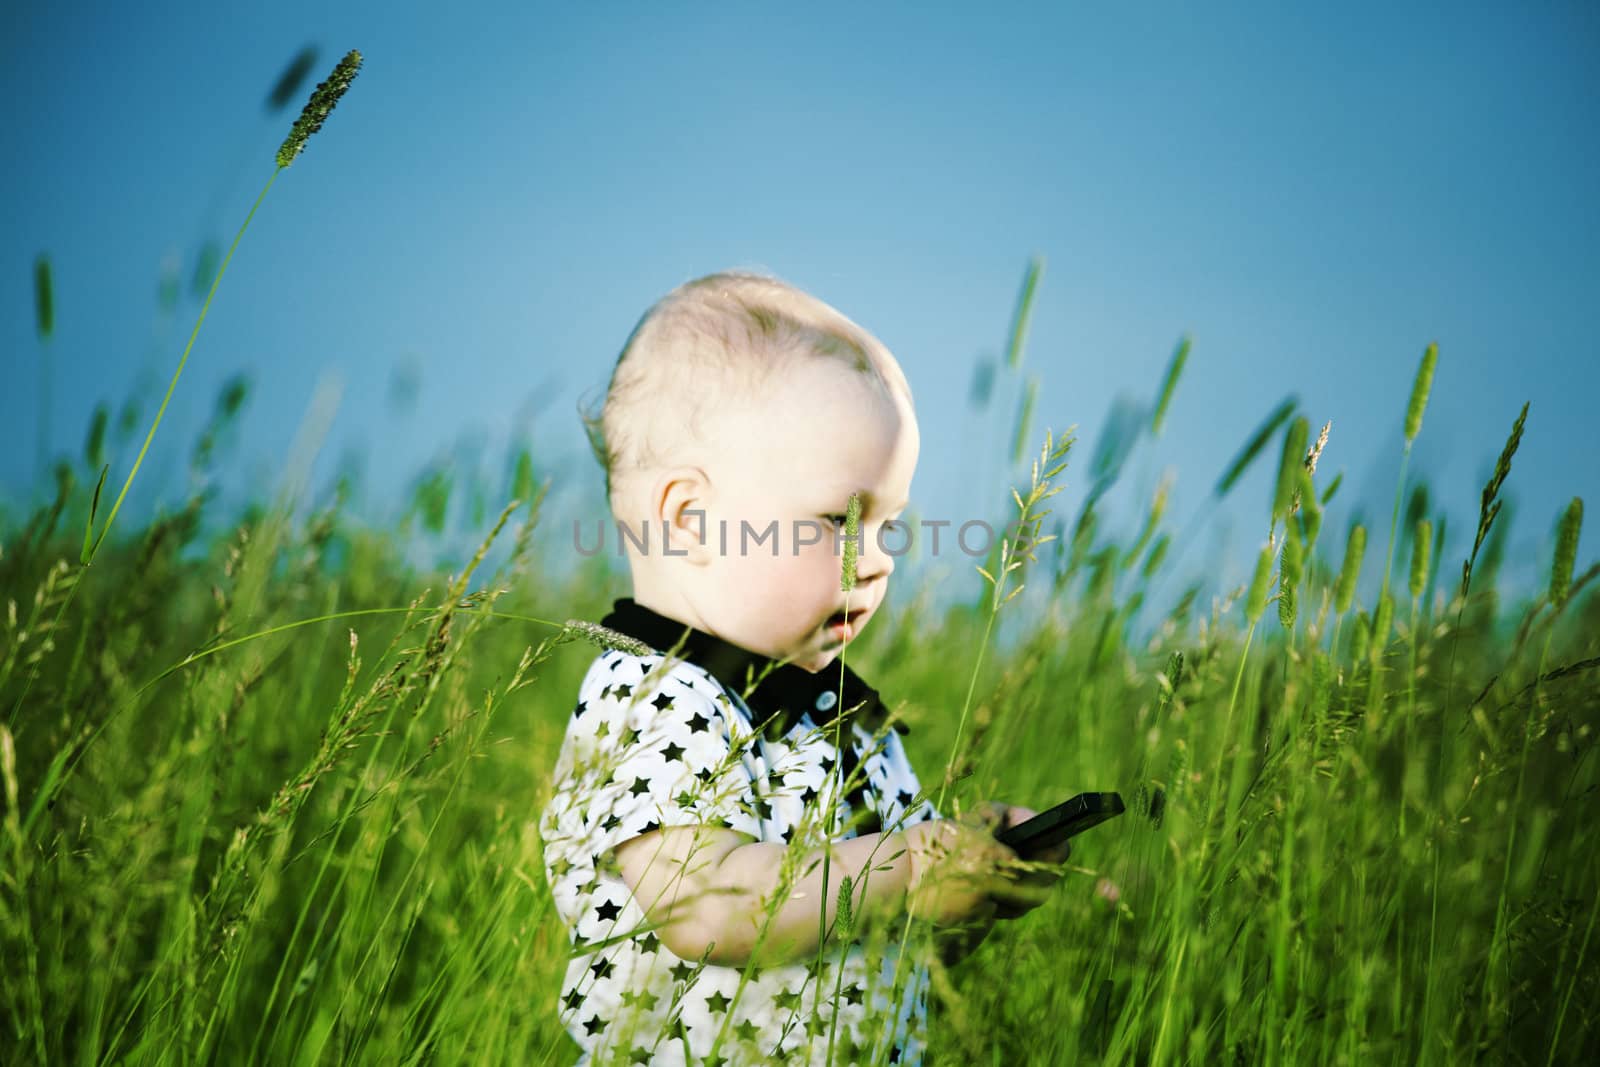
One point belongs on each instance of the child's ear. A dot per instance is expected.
(680, 512)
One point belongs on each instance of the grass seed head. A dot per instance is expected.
(1158, 553)
(1290, 466)
(604, 637)
(1256, 602)
(1344, 589)
(1419, 392)
(1019, 321)
(44, 302)
(1168, 384)
(846, 920)
(1030, 397)
(1316, 449)
(1252, 448)
(1289, 567)
(1421, 544)
(852, 543)
(1381, 622)
(1361, 640)
(1566, 552)
(323, 100)
(289, 82)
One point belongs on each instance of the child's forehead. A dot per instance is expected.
(818, 402)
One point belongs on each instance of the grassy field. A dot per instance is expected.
(271, 794)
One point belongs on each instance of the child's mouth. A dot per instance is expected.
(844, 624)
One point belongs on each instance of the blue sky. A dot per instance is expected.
(1313, 195)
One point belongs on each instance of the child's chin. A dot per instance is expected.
(822, 659)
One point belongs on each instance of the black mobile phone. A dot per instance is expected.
(1065, 820)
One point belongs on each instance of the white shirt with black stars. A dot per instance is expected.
(680, 748)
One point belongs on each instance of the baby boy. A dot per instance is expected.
(718, 783)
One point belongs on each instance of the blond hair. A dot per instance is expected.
(711, 342)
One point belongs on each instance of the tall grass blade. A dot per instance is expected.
(94, 509)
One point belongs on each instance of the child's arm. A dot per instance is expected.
(708, 889)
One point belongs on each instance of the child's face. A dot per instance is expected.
(795, 458)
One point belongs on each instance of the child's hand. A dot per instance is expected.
(959, 873)
(996, 817)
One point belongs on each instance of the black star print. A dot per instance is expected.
(573, 999)
(853, 994)
(639, 1055)
(705, 774)
(682, 972)
(662, 702)
(672, 752)
(649, 943)
(904, 798)
(894, 1054)
(583, 705)
(601, 968)
(608, 911)
(605, 693)
(698, 721)
(603, 729)
(595, 1025)
(560, 867)
(808, 794)
(684, 799)
(611, 822)
(788, 999)
(764, 808)
(639, 787)
(629, 736)
(641, 997)
(827, 764)
(651, 825)
(747, 1031)
(623, 690)
(717, 1002)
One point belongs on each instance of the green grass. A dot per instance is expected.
(317, 843)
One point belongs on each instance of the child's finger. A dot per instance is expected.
(1016, 815)
(991, 815)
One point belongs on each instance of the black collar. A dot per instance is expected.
(783, 694)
